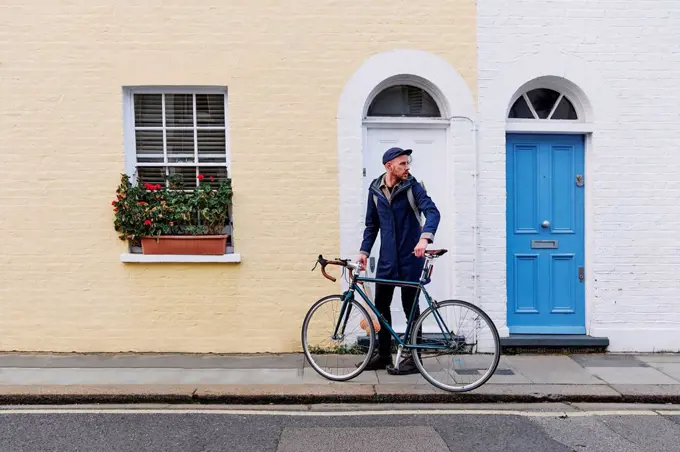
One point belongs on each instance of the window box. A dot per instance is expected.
(185, 244)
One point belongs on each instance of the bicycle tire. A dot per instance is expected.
(305, 347)
(497, 344)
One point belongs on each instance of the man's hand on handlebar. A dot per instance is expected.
(362, 260)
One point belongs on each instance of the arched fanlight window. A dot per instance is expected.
(404, 100)
(543, 103)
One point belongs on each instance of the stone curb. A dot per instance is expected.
(315, 394)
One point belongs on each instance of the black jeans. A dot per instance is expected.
(383, 301)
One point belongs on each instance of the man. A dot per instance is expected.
(402, 245)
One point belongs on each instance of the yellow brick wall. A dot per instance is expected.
(62, 68)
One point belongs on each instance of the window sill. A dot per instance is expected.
(232, 258)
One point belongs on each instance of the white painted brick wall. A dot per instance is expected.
(633, 168)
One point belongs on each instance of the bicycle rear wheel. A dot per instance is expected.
(343, 356)
(470, 350)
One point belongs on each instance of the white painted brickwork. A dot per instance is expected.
(626, 57)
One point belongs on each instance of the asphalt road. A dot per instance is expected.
(334, 429)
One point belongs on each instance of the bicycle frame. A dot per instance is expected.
(354, 287)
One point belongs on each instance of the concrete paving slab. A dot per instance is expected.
(552, 370)
(631, 375)
(179, 390)
(156, 376)
(330, 360)
(670, 369)
(148, 360)
(414, 379)
(659, 358)
(515, 378)
(608, 361)
(378, 439)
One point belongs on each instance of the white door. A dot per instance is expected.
(429, 163)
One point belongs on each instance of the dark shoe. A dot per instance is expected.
(377, 362)
(406, 367)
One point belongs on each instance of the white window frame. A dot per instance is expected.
(130, 155)
(129, 121)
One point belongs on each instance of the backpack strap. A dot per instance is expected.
(414, 205)
(411, 201)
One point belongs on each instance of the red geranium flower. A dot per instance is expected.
(147, 222)
(201, 177)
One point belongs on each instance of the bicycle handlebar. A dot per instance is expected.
(339, 262)
(429, 255)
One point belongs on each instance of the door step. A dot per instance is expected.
(553, 343)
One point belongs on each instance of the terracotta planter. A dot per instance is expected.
(185, 244)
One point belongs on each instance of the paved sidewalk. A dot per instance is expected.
(178, 378)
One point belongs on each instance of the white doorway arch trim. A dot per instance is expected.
(594, 101)
(400, 66)
(598, 108)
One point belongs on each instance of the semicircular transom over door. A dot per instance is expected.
(545, 234)
(428, 165)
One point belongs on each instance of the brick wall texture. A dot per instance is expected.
(62, 69)
(632, 166)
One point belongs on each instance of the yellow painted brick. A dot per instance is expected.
(63, 67)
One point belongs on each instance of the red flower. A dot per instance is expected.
(115, 210)
(147, 222)
(158, 186)
(212, 178)
(201, 177)
(113, 203)
(143, 203)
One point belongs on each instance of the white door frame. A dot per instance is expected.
(457, 106)
(445, 206)
(598, 107)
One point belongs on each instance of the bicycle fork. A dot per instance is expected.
(343, 318)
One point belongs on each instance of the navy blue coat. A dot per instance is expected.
(399, 228)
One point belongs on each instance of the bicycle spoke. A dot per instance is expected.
(459, 364)
(336, 358)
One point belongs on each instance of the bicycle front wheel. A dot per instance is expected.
(343, 354)
(466, 356)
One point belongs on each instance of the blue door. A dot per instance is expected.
(545, 246)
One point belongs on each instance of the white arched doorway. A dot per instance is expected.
(411, 99)
(597, 109)
(545, 208)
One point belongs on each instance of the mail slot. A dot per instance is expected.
(544, 244)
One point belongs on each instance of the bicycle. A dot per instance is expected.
(348, 345)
